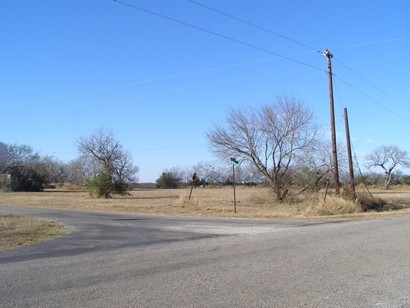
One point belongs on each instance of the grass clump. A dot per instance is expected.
(333, 205)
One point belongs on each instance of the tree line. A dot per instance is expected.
(215, 174)
(103, 166)
(280, 145)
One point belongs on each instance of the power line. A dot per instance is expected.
(216, 34)
(144, 81)
(310, 47)
(266, 50)
(170, 147)
(371, 98)
(372, 42)
(374, 85)
(255, 26)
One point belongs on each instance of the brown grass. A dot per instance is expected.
(217, 202)
(251, 202)
(16, 230)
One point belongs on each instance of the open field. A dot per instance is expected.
(251, 202)
(217, 202)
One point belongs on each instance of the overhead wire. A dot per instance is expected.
(371, 98)
(338, 117)
(372, 42)
(216, 34)
(372, 84)
(312, 48)
(233, 65)
(255, 26)
(142, 149)
(170, 147)
(256, 47)
(144, 81)
(139, 82)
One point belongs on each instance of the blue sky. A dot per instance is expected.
(71, 67)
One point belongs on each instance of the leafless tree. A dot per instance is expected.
(315, 167)
(82, 168)
(270, 138)
(29, 170)
(56, 169)
(210, 172)
(388, 157)
(21, 154)
(105, 152)
(3, 152)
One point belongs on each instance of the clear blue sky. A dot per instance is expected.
(70, 67)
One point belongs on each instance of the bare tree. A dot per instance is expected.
(56, 169)
(315, 167)
(28, 171)
(82, 168)
(250, 175)
(107, 156)
(21, 154)
(269, 138)
(3, 153)
(104, 149)
(210, 172)
(388, 157)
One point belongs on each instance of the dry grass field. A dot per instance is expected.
(217, 202)
(16, 231)
(251, 202)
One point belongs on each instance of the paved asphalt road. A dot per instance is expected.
(127, 260)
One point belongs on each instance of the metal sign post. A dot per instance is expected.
(234, 162)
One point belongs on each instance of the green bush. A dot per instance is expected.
(168, 180)
(25, 178)
(104, 186)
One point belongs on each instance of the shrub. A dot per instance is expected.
(5, 182)
(168, 180)
(25, 178)
(367, 203)
(104, 186)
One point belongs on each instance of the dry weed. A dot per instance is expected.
(332, 205)
(185, 201)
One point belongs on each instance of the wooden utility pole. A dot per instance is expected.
(194, 178)
(349, 154)
(332, 121)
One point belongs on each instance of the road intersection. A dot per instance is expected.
(132, 260)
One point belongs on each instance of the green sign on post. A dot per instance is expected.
(234, 162)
